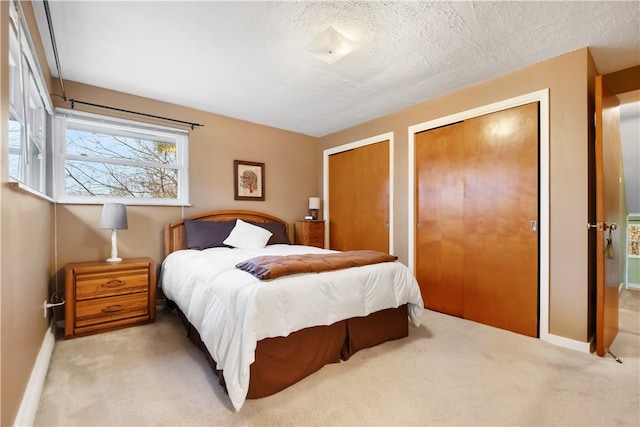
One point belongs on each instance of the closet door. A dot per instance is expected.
(359, 198)
(500, 219)
(439, 155)
(477, 201)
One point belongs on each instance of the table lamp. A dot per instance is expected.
(314, 206)
(114, 217)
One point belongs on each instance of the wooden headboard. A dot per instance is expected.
(174, 235)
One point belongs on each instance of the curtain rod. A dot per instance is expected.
(75, 101)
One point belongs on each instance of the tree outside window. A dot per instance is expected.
(634, 240)
(112, 165)
(107, 159)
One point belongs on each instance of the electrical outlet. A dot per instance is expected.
(45, 308)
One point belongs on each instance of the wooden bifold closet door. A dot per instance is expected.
(477, 231)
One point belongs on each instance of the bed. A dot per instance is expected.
(261, 336)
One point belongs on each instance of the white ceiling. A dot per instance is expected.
(246, 59)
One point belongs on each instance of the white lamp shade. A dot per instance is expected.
(314, 202)
(114, 216)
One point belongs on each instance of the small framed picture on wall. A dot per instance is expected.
(248, 180)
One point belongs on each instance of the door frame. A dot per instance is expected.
(541, 96)
(325, 179)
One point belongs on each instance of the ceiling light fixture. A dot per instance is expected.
(331, 46)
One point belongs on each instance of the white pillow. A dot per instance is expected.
(247, 236)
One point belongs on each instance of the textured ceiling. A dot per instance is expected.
(247, 59)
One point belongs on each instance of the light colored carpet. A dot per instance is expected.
(447, 372)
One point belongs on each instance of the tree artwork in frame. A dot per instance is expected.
(248, 180)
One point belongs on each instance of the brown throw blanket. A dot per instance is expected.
(272, 266)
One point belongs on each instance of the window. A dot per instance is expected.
(103, 159)
(633, 239)
(29, 108)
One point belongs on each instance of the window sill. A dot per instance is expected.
(25, 188)
(127, 202)
(17, 185)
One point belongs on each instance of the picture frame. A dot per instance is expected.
(248, 180)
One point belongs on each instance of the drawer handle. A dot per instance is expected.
(113, 284)
(113, 308)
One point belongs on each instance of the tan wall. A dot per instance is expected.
(30, 225)
(291, 171)
(25, 256)
(567, 78)
(622, 81)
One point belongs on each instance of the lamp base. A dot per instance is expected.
(114, 248)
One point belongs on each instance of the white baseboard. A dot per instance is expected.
(31, 398)
(582, 346)
(633, 286)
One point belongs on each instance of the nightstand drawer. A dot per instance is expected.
(315, 233)
(310, 233)
(315, 241)
(110, 309)
(106, 284)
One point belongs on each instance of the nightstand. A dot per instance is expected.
(310, 233)
(102, 296)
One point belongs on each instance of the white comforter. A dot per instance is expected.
(232, 310)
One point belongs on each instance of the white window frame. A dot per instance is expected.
(32, 93)
(64, 117)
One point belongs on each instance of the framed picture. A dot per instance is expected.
(248, 180)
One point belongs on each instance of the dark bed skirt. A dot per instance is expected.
(283, 361)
